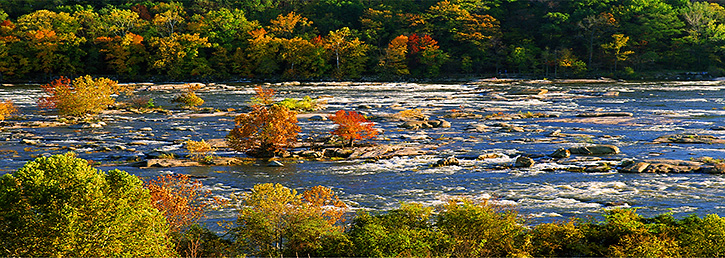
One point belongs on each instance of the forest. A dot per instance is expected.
(359, 39)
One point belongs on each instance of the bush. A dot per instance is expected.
(702, 237)
(189, 99)
(182, 201)
(200, 150)
(625, 233)
(85, 95)
(352, 126)
(306, 104)
(7, 108)
(479, 230)
(403, 232)
(561, 239)
(61, 206)
(266, 130)
(274, 220)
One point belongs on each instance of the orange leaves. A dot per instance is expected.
(266, 130)
(7, 108)
(352, 126)
(82, 96)
(180, 199)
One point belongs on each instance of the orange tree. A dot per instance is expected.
(352, 126)
(84, 95)
(267, 130)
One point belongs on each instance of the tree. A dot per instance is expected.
(61, 206)
(84, 95)
(274, 220)
(290, 25)
(594, 26)
(348, 53)
(395, 59)
(169, 19)
(425, 55)
(304, 58)
(352, 126)
(7, 108)
(615, 48)
(124, 54)
(120, 22)
(51, 41)
(179, 56)
(261, 55)
(265, 131)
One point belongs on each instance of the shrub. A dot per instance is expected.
(266, 130)
(305, 104)
(189, 99)
(352, 126)
(274, 220)
(84, 95)
(625, 233)
(479, 230)
(182, 201)
(561, 239)
(200, 150)
(403, 232)
(61, 206)
(7, 108)
(702, 237)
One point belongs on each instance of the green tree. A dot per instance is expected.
(349, 53)
(179, 55)
(61, 206)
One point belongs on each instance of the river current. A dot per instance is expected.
(544, 192)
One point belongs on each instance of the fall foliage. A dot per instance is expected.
(265, 131)
(7, 108)
(352, 126)
(82, 96)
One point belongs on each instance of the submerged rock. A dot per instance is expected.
(524, 162)
(689, 138)
(561, 153)
(662, 166)
(275, 163)
(529, 92)
(604, 114)
(595, 150)
(449, 161)
(417, 125)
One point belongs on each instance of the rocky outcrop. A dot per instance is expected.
(449, 161)
(529, 92)
(595, 150)
(604, 114)
(417, 125)
(689, 138)
(662, 166)
(524, 162)
(561, 153)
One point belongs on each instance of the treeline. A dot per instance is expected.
(61, 206)
(313, 39)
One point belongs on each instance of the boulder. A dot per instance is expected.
(604, 114)
(417, 125)
(524, 162)
(317, 118)
(634, 167)
(275, 163)
(689, 138)
(449, 161)
(561, 153)
(529, 92)
(29, 142)
(478, 128)
(595, 150)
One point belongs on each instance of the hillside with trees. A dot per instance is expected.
(354, 39)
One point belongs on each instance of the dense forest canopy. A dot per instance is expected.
(349, 39)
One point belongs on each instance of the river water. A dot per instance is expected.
(545, 192)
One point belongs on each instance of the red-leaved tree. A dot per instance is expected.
(352, 126)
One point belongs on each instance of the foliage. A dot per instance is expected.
(304, 104)
(274, 220)
(352, 126)
(480, 230)
(403, 232)
(61, 206)
(183, 202)
(7, 108)
(84, 95)
(189, 99)
(266, 130)
(199, 150)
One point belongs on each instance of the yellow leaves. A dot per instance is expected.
(7, 108)
(198, 150)
(285, 25)
(180, 199)
(85, 95)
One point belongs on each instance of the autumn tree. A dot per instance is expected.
(82, 96)
(267, 130)
(12, 61)
(395, 59)
(274, 220)
(7, 108)
(61, 206)
(615, 48)
(425, 54)
(352, 126)
(226, 30)
(261, 55)
(290, 25)
(125, 54)
(169, 18)
(179, 55)
(119, 22)
(51, 41)
(348, 53)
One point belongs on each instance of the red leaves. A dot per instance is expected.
(60, 85)
(180, 199)
(352, 126)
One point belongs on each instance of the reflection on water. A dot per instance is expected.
(544, 192)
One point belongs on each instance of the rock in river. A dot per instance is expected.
(561, 153)
(595, 150)
(449, 161)
(524, 162)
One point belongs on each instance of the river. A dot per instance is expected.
(542, 193)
